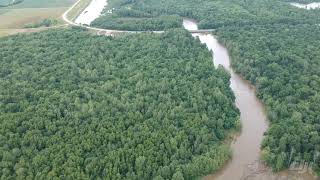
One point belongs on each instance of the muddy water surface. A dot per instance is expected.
(246, 148)
(245, 163)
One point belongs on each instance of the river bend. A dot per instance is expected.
(246, 147)
(245, 163)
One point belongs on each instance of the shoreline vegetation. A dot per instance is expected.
(288, 83)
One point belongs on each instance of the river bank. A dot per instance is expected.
(246, 158)
(245, 163)
(246, 148)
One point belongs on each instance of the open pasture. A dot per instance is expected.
(17, 18)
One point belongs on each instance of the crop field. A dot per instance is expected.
(42, 3)
(17, 18)
(14, 18)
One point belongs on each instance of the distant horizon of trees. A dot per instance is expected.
(146, 14)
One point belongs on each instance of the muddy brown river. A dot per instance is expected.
(245, 163)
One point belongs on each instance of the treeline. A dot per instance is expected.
(258, 12)
(144, 24)
(121, 15)
(43, 23)
(143, 106)
(210, 14)
(280, 57)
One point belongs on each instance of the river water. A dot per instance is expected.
(245, 163)
(91, 12)
(314, 5)
(246, 147)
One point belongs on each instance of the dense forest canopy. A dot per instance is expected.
(287, 76)
(146, 14)
(272, 44)
(152, 106)
(143, 106)
(282, 60)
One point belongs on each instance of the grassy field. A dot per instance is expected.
(14, 18)
(43, 4)
(17, 18)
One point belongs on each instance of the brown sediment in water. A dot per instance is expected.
(245, 163)
(246, 147)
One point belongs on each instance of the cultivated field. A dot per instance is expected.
(43, 4)
(14, 18)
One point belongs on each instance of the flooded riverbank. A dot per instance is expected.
(315, 5)
(91, 12)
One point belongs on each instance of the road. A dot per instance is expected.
(101, 31)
